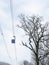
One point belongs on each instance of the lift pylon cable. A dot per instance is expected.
(5, 44)
(12, 17)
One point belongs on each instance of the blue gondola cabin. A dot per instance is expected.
(13, 41)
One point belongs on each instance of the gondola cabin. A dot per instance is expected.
(13, 40)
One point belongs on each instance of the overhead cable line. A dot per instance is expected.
(12, 17)
(5, 44)
(14, 37)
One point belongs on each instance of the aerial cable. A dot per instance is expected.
(12, 17)
(5, 44)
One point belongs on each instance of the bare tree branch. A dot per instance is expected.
(24, 44)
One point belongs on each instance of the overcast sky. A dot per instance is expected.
(28, 7)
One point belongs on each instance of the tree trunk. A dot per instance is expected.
(37, 59)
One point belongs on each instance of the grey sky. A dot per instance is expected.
(28, 7)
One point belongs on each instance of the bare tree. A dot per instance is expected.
(38, 40)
